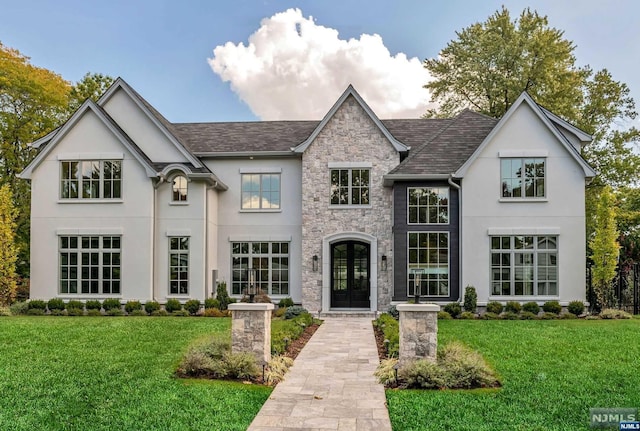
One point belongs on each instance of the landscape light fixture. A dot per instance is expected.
(315, 263)
(384, 262)
(252, 289)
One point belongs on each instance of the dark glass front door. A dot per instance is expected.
(350, 275)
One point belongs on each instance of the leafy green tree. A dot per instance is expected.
(605, 248)
(91, 86)
(8, 251)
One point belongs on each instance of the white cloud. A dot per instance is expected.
(293, 68)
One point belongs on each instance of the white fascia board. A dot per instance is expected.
(581, 135)
(42, 141)
(245, 154)
(389, 179)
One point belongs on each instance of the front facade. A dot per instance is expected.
(348, 213)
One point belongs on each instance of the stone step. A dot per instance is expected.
(347, 314)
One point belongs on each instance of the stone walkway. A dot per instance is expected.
(331, 385)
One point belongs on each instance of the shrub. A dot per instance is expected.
(528, 315)
(443, 315)
(547, 315)
(160, 313)
(422, 374)
(576, 307)
(55, 304)
(37, 304)
(93, 305)
(393, 311)
(214, 358)
(260, 298)
(138, 313)
(513, 307)
(58, 312)
(192, 306)
(467, 315)
(93, 312)
(390, 327)
(240, 365)
(195, 363)
(453, 309)
(180, 313)
(294, 311)
(465, 368)
(552, 307)
(172, 305)
(223, 296)
(568, 315)
(509, 315)
(74, 311)
(211, 303)
(214, 312)
(75, 304)
(5, 311)
(279, 312)
(151, 306)
(470, 299)
(386, 372)
(19, 307)
(132, 306)
(114, 312)
(276, 369)
(35, 312)
(490, 316)
(494, 307)
(285, 302)
(111, 304)
(531, 307)
(612, 313)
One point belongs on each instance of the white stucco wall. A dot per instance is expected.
(561, 213)
(235, 224)
(131, 216)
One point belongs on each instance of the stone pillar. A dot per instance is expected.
(251, 329)
(418, 331)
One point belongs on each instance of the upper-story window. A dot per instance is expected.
(522, 178)
(428, 205)
(91, 179)
(350, 186)
(179, 189)
(260, 191)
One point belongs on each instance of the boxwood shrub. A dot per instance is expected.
(513, 307)
(55, 304)
(111, 304)
(453, 309)
(192, 306)
(552, 307)
(151, 306)
(285, 302)
(37, 304)
(494, 307)
(576, 307)
(211, 303)
(75, 304)
(93, 304)
(531, 307)
(132, 306)
(470, 299)
(172, 305)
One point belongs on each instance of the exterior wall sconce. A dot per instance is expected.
(384, 262)
(315, 263)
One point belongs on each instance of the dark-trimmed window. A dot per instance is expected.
(522, 178)
(179, 188)
(178, 265)
(350, 186)
(271, 262)
(260, 191)
(90, 265)
(91, 179)
(428, 263)
(524, 265)
(428, 205)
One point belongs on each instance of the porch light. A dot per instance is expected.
(384, 262)
(251, 288)
(315, 263)
(417, 288)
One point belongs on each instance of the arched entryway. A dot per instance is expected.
(350, 274)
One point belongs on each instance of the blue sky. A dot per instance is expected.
(161, 47)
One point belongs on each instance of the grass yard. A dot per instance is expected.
(552, 373)
(113, 373)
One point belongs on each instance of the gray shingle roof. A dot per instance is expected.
(447, 149)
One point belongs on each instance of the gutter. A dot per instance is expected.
(457, 187)
(161, 180)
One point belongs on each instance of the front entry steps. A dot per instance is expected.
(346, 313)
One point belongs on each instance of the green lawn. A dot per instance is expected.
(113, 373)
(552, 372)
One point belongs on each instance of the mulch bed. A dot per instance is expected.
(382, 351)
(294, 348)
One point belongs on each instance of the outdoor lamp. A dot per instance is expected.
(384, 262)
(251, 289)
(417, 288)
(315, 263)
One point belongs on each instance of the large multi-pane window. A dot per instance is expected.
(179, 189)
(428, 205)
(524, 265)
(428, 263)
(178, 265)
(269, 259)
(350, 186)
(90, 265)
(91, 179)
(260, 191)
(522, 178)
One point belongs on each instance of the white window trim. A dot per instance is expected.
(179, 252)
(259, 172)
(270, 255)
(74, 157)
(448, 206)
(350, 165)
(524, 155)
(172, 201)
(448, 263)
(350, 206)
(80, 198)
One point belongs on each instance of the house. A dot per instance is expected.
(350, 212)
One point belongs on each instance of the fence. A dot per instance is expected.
(626, 295)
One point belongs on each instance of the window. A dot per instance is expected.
(179, 189)
(349, 186)
(91, 179)
(260, 191)
(524, 265)
(90, 265)
(271, 261)
(428, 266)
(522, 178)
(179, 265)
(428, 205)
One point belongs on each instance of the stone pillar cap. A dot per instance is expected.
(246, 306)
(418, 307)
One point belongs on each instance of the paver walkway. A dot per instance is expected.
(331, 384)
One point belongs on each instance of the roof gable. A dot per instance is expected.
(350, 91)
(524, 98)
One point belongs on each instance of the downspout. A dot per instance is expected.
(457, 187)
(161, 180)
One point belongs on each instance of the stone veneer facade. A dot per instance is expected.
(350, 136)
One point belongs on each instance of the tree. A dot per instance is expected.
(605, 248)
(91, 86)
(8, 251)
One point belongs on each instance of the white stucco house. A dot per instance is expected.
(346, 213)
